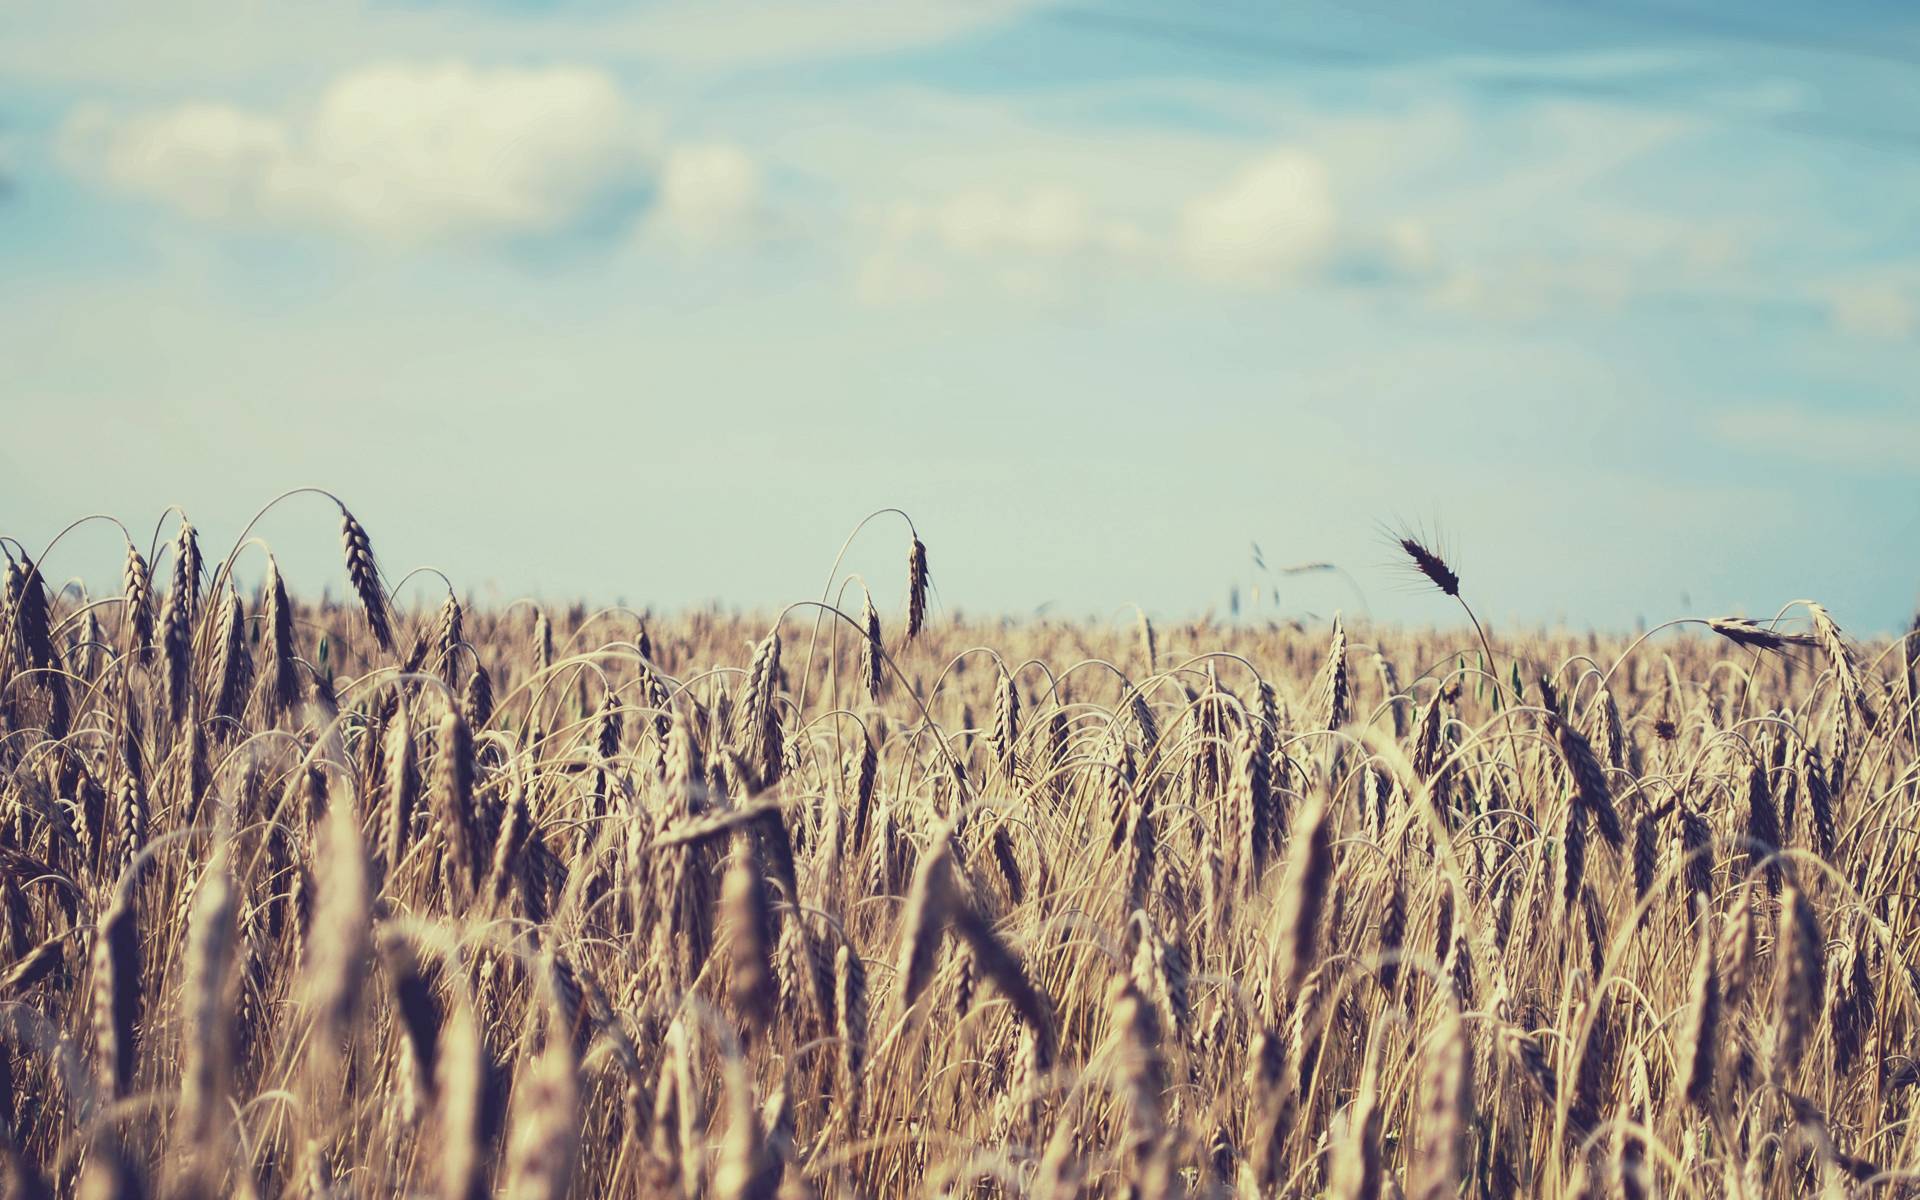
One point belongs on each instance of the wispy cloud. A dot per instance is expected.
(1883, 308)
(1884, 440)
(1031, 241)
(107, 42)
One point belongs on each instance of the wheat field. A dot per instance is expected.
(354, 899)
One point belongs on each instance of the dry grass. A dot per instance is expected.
(524, 903)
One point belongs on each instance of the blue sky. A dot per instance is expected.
(656, 303)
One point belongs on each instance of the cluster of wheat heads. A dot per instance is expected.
(307, 899)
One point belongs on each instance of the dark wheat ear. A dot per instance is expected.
(1742, 632)
(1800, 980)
(187, 568)
(116, 989)
(231, 669)
(916, 588)
(929, 907)
(1006, 721)
(32, 616)
(283, 686)
(1309, 868)
(364, 574)
(850, 1009)
(176, 652)
(1000, 964)
(1335, 681)
(420, 1014)
(449, 630)
(476, 700)
(746, 908)
(871, 666)
(42, 962)
(1591, 787)
(1430, 564)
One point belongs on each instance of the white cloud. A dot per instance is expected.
(1880, 310)
(1277, 218)
(1273, 222)
(1530, 211)
(402, 151)
(709, 192)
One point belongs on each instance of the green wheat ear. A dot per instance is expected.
(326, 647)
